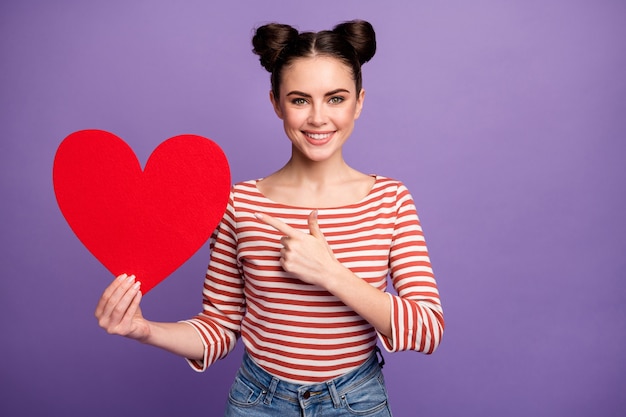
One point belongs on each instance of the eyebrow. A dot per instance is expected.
(330, 93)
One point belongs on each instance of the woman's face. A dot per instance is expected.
(318, 104)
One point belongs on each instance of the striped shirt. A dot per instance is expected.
(300, 332)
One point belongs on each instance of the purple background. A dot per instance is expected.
(506, 119)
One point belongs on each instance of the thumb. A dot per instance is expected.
(314, 227)
(316, 232)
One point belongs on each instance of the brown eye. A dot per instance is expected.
(298, 101)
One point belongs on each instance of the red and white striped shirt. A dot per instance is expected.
(300, 332)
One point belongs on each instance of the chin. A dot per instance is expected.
(319, 156)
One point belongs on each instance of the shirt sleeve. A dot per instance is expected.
(416, 313)
(219, 323)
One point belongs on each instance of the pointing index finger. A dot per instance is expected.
(276, 224)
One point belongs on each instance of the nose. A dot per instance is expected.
(316, 116)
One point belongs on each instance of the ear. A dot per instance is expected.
(276, 105)
(359, 103)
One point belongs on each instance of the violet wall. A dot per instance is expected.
(506, 120)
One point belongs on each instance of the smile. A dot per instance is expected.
(318, 136)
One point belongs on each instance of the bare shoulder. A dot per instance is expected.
(361, 184)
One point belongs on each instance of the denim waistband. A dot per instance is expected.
(306, 394)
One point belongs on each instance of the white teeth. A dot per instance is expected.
(318, 136)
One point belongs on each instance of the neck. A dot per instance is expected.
(305, 183)
(302, 170)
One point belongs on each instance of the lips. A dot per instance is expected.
(318, 139)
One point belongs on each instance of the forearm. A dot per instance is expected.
(369, 302)
(178, 338)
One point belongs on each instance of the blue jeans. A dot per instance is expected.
(257, 393)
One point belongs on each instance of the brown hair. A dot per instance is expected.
(277, 45)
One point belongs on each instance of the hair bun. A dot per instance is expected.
(270, 40)
(360, 34)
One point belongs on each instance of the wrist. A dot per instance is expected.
(145, 335)
(337, 277)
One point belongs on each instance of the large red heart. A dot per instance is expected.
(149, 222)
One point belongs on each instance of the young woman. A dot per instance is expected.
(299, 263)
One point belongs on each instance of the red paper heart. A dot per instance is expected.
(146, 223)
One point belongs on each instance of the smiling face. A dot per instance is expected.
(318, 104)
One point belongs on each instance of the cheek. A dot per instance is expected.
(294, 119)
(348, 116)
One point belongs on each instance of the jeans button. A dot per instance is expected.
(307, 395)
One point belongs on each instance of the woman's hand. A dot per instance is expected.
(118, 310)
(311, 259)
(308, 256)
